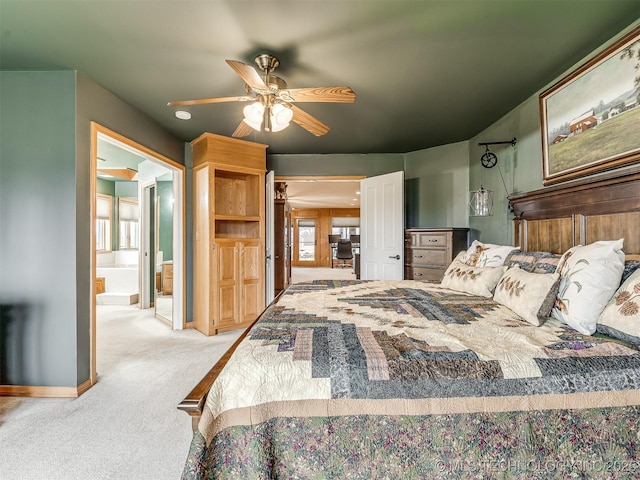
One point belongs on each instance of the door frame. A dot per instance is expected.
(148, 241)
(269, 240)
(294, 226)
(179, 228)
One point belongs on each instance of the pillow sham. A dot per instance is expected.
(621, 317)
(589, 276)
(630, 266)
(487, 254)
(536, 262)
(546, 263)
(479, 281)
(524, 260)
(530, 295)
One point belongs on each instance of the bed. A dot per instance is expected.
(407, 379)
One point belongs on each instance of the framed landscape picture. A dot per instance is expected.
(591, 118)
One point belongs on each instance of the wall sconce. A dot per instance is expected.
(481, 201)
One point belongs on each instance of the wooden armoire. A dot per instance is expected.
(229, 232)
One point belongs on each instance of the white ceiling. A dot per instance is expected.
(323, 193)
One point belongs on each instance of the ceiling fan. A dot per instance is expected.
(272, 102)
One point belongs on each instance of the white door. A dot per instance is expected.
(382, 227)
(269, 240)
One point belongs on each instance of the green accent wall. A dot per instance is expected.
(341, 164)
(39, 232)
(436, 186)
(165, 219)
(105, 187)
(45, 188)
(521, 165)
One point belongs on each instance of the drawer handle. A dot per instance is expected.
(433, 239)
(418, 274)
(417, 256)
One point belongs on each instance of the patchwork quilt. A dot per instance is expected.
(405, 379)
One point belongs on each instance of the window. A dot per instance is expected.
(103, 222)
(128, 232)
(306, 240)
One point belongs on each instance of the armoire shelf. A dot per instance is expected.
(229, 231)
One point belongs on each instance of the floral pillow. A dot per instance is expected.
(487, 254)
(465, 278)
(530, 295)
(621, 317)
(589, 276)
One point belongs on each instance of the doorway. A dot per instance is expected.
(155, 168)
(305, 242)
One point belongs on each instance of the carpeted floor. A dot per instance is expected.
(305, 274)
(125, 427)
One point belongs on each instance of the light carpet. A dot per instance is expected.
(305, 274)
(126, 426)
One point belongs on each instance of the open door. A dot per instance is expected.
(270, 282)
(147, 263)
(382, 227)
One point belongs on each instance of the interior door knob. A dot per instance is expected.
(397, 257)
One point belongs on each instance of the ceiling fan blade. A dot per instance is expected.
(249, 74)
(202, 101)
(319, 94)
(242, 130)
(309, 123)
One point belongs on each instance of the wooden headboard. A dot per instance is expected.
(606, 207)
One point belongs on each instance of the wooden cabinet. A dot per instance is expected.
(100, 285)
(229, 231)
(282, 245)
(429, 251)
(167, 278)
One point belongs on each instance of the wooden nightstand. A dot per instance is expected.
(429, 251)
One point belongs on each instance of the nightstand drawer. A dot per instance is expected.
(423, 256)
(427, 240)
(423, 273)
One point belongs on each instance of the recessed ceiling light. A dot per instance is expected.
(182, 115)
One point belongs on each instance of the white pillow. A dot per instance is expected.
(487, 254)
(465, 278)
(621, 317)
(589, 276)
(495, 256)
(530, 295)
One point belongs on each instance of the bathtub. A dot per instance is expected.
(121, 285)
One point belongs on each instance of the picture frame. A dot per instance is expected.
(590, 119)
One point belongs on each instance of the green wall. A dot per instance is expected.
(165, 220)
(38, 233)
(94, 103)
(45, 189)
(521, 165)
(436, 186)
(341, 164)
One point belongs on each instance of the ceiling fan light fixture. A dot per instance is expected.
(253, 115)
(280, 117)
